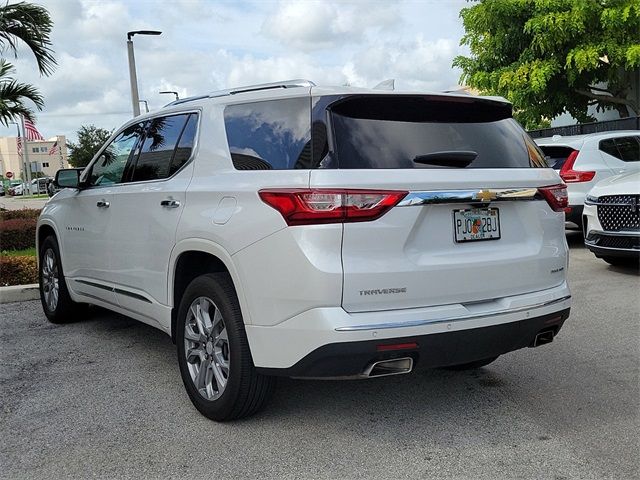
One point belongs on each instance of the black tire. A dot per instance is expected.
(246, 391)
(65, 309)
(471, 365)
(622, 262)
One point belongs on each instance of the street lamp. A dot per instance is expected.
(146, 104)
(135, 100)
(171, 91)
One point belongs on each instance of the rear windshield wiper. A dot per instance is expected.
(450, 158)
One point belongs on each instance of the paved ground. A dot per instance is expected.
(103, 398)
(16, 203)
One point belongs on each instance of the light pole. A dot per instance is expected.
(171, 91)
(146, 105)
(135, 100)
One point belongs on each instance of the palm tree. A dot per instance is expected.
(13, 95)
(29, 24)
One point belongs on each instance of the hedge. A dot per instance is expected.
(18, 270)
(18, 233)
(22, 213)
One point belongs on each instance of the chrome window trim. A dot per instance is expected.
(468, 196)
(419, 323)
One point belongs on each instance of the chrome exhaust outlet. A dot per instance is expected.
(383, 368)
(543, 338)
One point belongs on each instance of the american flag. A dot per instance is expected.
(31, 132)
(54, 148)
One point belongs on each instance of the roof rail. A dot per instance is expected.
(249, 88)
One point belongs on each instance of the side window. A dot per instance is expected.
(270, 135)
(609, 146)
(185, 146)
(109, 167)
(629, 148)
(626, 149)
(160, 142)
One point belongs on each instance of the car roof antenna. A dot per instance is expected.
(386, 85)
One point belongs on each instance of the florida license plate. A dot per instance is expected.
(476, 224)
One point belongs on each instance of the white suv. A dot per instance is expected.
(287, 229)
(584, 160)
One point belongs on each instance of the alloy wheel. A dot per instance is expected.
(206, 348)
(50, 279)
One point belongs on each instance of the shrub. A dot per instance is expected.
(22, 213)
(18, 234)
(18, 270)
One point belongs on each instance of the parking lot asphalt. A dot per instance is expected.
(103, 398)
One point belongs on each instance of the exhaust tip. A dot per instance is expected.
(383, 368)
(543, 338)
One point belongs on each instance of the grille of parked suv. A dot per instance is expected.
(619, 212)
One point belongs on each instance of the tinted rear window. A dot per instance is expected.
(556, 156)
(429, 132)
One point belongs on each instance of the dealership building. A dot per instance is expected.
(44, 156)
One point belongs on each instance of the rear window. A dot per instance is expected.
(270, 135)
(556, 155)
(380, 131)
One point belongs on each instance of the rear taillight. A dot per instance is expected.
(569, 175)
(315, 206)
(557, 197)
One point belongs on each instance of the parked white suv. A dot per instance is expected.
(286, 229)
(584, 160)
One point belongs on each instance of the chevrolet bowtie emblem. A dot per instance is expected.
(485, 195)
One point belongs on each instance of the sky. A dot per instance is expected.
(208, 45)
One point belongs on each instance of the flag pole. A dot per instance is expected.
(60, 150)
(25, 156)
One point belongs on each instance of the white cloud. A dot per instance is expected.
(315, 25)
(208, 45)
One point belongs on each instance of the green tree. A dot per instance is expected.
(23, 23)
(549, 57)
(90, 139)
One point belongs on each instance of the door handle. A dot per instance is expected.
(170, 203)
(103, 204)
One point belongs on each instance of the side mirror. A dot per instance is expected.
(68, 178)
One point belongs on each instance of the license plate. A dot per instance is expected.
(476, 224)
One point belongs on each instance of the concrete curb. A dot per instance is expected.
(19, 293)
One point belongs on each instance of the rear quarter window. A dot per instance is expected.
(626, 149)
(269, 135)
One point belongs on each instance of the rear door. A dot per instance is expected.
(472, 226)
(145, 213)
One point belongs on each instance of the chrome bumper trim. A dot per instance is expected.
(468, 196)
(610, 233)
(418, 323)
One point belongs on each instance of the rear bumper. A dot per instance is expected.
(321, 341)
(430, 351)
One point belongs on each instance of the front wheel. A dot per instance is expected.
(213, 352)
(54, 295)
